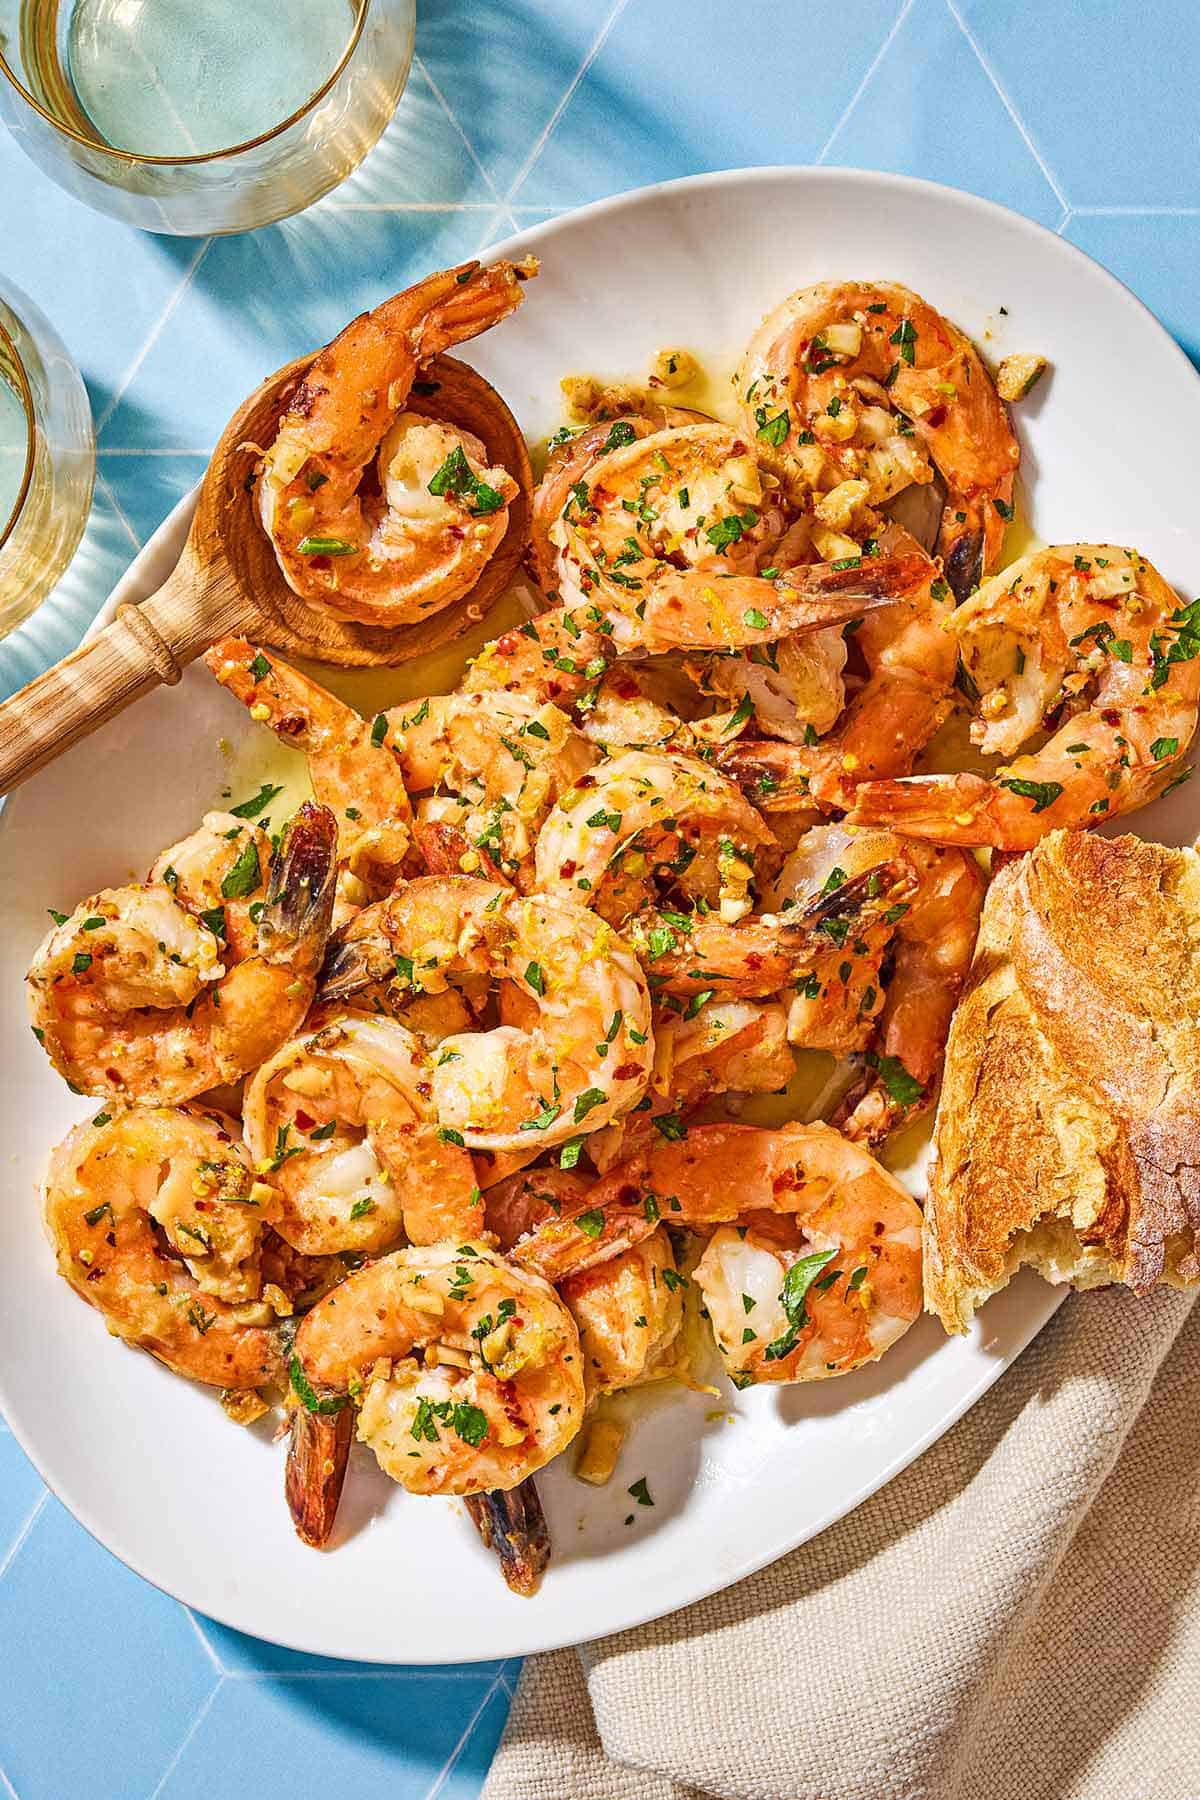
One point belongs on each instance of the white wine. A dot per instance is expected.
(188, 77)
(199, 116)
(14, 449)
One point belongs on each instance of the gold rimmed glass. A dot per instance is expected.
(200, 116)
(47, 458)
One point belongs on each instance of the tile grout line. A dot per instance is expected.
(188, 1735)
(130, 374)
(104, 484)
(461, 1745)
(1138, 212)
(362, 1673)
(543, 137)
(857, 95)
(1014, 115)
(211, 1654)
(15, 1547)
(454, 120)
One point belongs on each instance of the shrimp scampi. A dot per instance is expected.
(465, 1369)
(342, 1119)
(157, 1221)
(439, 512)
(145, 993)
(1089, 642)
(831, 1212)
(585, 1055)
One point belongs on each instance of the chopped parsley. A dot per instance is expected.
(250, 809)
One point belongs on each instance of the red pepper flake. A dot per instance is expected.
(305, 1121)
(935, 416)
(627, 1071)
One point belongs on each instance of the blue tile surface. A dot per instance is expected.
(516, 109)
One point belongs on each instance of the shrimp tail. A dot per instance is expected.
(513, 1524)
(318, 1453)
(478, 299)
(353, 963)
(301, 887)
(963, 563)
(946, 809)
(860, 900)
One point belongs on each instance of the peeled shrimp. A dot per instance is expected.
(586, 1054)
(695, 955)
(910, 658)
(146, 993)
(157, 1221)
(643, 811)
(498, 1390)
(853, 391)
(498, 762)
(901, 1019)
(629, 1309)
(1090, 641)
(352, 762)
(711, 1047)
(343, 1120)
(559, 657)
(849, 1227)
(423, 540)
(662, 550)
(619, 420)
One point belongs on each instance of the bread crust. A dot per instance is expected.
(1068, 1131)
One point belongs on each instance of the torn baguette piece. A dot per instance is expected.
(1067, 1136)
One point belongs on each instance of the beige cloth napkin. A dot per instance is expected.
(1017, 1616)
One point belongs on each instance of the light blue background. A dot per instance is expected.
(1080, 113)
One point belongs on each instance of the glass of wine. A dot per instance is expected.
(47, 457)
(199, 116)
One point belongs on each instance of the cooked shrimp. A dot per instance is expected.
(498, 762)
(694, 955)
(909, 656)
(715, 1047)
(796, 688)
(620, 418)
(846, 1212)
(343, 1118)
(556, 657)
(137, 996)
(352, 763)
(1089, 641)
(898, 1019)
(644, 812)
(661, 552)
(157, 1221)
(422, 540)
(513, 1525)
(637, 706)
(628, 1309)
(853, 391)
(586, 1055)
(497, 1393)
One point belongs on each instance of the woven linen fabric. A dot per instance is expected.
(1016, 1616)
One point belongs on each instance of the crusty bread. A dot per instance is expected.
(1068, 1131)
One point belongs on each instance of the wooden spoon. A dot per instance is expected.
(228, 583)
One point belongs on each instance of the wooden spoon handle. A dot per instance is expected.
(145, 646)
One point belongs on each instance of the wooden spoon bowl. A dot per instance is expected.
(227, 518)
(228, 583)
